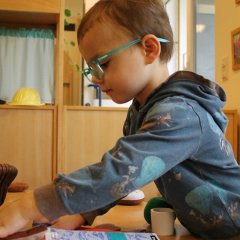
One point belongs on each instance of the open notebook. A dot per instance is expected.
(57, 234)
(43, 233)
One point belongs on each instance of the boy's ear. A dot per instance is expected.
(152, 48)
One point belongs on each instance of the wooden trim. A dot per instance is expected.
(43, 107)
(88, 108)
(235, 34)
(28, 25)
(59, 86)
(21, 19)
(232, 130)
(54, 145)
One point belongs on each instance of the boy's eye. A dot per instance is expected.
(104, 65)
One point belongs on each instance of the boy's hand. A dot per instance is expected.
(18, 214)
(69, 222)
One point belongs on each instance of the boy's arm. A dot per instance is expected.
(136, 160)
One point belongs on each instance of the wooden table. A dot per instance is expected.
(127, 218)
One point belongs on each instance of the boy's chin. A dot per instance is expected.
(120, 101)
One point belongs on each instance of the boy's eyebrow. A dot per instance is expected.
(96, 56)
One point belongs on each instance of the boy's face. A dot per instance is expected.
(126, 73)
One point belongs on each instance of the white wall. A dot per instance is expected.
(89, 4)
(227, 19)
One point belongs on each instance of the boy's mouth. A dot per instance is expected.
(106, 90)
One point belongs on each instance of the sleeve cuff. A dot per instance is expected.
(49, 203)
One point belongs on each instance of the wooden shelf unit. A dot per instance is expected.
(30, 134)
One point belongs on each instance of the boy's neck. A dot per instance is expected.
(159, 76)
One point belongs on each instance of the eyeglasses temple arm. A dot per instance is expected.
(163, 40)
(127, 45)
(124, 47)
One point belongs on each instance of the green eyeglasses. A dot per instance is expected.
(96, 70)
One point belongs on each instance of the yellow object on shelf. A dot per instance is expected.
(26, 97)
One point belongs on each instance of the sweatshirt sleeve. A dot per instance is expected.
(169, 134)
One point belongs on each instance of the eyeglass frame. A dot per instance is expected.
(96, 62)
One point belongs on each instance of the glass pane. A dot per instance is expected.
(205, 38)
(172, 10)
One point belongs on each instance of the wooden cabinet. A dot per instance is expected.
(27, 142)
(29, 135)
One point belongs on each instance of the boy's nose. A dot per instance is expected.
(95, 80)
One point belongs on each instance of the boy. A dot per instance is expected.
(173, 133)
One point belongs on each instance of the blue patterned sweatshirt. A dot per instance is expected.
(176, 139)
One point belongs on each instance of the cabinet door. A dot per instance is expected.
(27, 143)
(88, 133)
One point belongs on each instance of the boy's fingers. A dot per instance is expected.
(11, 225)
(3, 233)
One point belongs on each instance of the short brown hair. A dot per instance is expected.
(138, 17)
